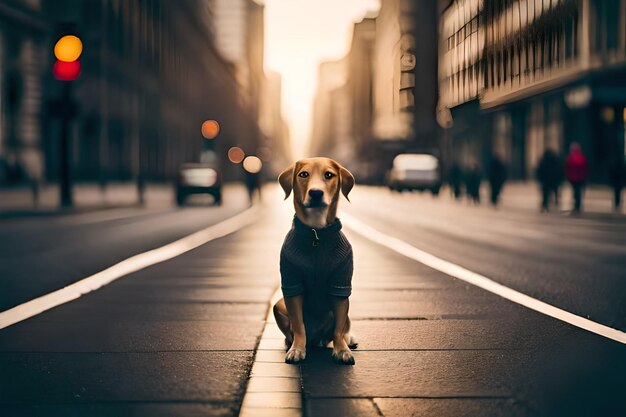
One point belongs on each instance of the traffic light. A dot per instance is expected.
(67, 50)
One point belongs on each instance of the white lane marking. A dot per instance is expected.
(135, 263)
(478, 280)
(104, 215)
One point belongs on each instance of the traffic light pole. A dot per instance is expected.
(66, 69)
(65, 181)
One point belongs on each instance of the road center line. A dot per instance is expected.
(133, 264)
(478, 280)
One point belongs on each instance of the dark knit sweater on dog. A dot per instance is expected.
(316, 263)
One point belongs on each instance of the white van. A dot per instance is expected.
(415, 171)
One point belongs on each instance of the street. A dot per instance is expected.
(172, 174)
(35, 252)
(188, 336)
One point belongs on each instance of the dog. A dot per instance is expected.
(316, 262)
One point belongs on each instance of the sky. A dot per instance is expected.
(299, 35)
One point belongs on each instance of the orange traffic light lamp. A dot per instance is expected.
(67, 50)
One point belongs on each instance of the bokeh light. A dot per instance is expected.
(68, 48)
(210, 129)
(66, 71)
(236, 154)
(252, 164)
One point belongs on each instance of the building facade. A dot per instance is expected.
(23, 42)
(330, 132)
(545, 74)
(394, 97)
(275, 147)
(461, 81)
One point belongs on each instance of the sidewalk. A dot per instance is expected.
(526, 195)
(597, 199)
(18, 201)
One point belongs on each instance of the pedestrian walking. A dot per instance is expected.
(617, 176)
(455, 179)
(576, 171)
(473, 177)
(550, 176)
(497, 178)
(253, 184)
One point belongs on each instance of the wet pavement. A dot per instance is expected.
(189, 337)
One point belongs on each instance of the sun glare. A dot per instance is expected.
(299, 35)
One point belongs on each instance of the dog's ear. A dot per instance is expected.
(285, 179)
(347, 181)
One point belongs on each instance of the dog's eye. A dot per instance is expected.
(303, 174)
(329, 175)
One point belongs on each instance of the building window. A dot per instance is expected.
(492, 70)
(568, 29)
(505, 62)
(607, 30)
(612, 24)
(538, 53)
(516, 62)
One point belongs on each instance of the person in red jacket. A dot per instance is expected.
(576, 172)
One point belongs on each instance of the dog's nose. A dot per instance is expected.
(316, 194)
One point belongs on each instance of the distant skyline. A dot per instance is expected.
(299, 35)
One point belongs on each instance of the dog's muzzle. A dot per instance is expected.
(316, 199)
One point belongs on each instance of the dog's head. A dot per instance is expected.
(316, 184)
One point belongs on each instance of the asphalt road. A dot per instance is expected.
(434, 345)
(575, 263)
(41, 254)
(178, 338)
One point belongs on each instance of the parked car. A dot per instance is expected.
(413, 171)
(195, 178)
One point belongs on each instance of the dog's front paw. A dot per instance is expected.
(295, 355)
(343, 357)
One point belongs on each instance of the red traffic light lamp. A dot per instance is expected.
(66, 71)
(67, 50)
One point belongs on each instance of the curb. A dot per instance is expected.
(274, 388)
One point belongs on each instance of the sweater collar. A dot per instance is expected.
(315, 234)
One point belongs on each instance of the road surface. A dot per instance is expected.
(182, 336)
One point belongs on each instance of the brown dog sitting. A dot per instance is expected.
(316, 262)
